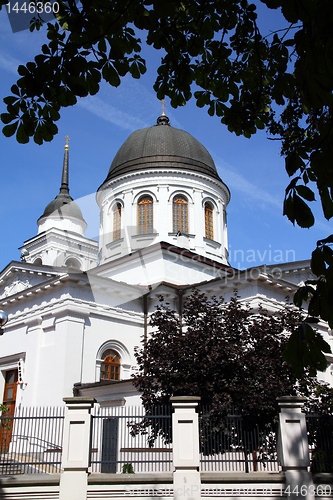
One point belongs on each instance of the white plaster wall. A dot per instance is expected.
(153, 268)
(103, 330)
(59, 331)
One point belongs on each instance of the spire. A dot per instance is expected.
(64, 189)
(63, 203)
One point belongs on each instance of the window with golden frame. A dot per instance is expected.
(209, 229)
(180, 214)
(145, 215)
(110, 368)
(117, 222)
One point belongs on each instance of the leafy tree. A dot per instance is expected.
(224, 353)
(214, 51)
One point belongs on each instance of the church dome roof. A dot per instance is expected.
(63, 205)
(162, 146)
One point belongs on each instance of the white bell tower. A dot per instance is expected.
(60, 240)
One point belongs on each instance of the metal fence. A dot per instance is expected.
(128, 439)
(229, 446)
(31, 441)
(320, 437)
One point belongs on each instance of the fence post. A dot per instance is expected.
(293, 448)
(76, 448)
(185, 442)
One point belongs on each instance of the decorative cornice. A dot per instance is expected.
(24, 268)
(162, 171)
(75, 308)
(59, 234)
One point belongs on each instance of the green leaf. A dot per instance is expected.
(10, 100)
(38, 137)
(325, 241)
(301, 295)
(326, 202)
(21, 135)
(10, 130)
(288, 208)
(305, 193)
(293, 163)
(303, 214)
(22, 70)
(6, 118)
(305, 350)
(318, 266)
(328, 255)
(110, 75)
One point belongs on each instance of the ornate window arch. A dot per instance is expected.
(209, 226)
(180, 214)
(116, 214)
(145, 214)
(112, 354)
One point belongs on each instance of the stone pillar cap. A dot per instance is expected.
(185, 399)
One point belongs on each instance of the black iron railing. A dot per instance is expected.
(129, 439)
(320, 437)
(31, 441)
(231, 446)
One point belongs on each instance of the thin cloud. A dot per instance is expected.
(324, 226)
(107, 112)
(237, 182)
(9, 63)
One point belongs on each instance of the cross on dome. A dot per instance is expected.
(163, 102)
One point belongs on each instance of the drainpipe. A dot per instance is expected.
(145, 318)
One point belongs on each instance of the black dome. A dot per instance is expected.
(63, 205)
(162, 146)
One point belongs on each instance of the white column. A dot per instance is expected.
(76, 448)
(186, 457)
(293, 448)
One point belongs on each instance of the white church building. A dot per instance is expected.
(77, 308)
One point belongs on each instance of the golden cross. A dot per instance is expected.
(163, 106)
(67, 141)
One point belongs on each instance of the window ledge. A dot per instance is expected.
(114, 243)
(212, 243)
(144, 235)
(186, 235)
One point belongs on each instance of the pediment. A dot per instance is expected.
(16, 279)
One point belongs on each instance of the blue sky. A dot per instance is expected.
(97, 127)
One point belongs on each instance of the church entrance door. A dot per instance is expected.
(9, 398)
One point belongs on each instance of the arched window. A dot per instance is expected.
(145, 215)
(180, 214)
(117, 222)
(73, 262)
(110, 367)
(209, 230)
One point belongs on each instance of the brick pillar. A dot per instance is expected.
(76, 448)
(185, 442)
(293, 448)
